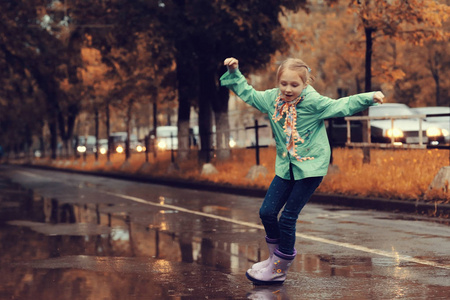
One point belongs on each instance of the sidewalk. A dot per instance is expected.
(398, 206)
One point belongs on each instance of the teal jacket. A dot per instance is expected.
(311, 113)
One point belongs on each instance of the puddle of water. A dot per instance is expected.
(109, 230)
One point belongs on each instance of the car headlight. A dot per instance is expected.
(434, 132)
(119, 149)
(394, 132)
(232, 143)
(162, 145)
(140, 148)
(81, 149)
(445, 132)
(103, 150)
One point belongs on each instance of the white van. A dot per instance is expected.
(167, 137)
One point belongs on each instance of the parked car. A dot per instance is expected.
(442, 122)
(337, 131)
(118, 140)
(85, 144)
(403, 130)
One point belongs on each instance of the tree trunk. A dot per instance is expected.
(183, 139)
(368, 87)
(222, 135)
(47, 86)
(66, 125)
(155, 125)
(184, 106)
(128, 122)
(358, 85)
(42, 142)
(438, 90)
(28, 141)
(368, 63)
(53, 137)
(66, 149)
(435, 73)
(96, 132)
(108, 132)
(222, 125)
(206, 93)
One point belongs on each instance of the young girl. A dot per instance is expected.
(297, 114)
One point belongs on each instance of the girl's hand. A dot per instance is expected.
(378, 97)
(231, 63)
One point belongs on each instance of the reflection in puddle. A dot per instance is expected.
(77, 229)
(119, 230)
(168, 211)
(277, 292)
(120, 234)
(109, 230)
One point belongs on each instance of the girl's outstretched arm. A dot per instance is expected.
(235, 81)
(324, 108)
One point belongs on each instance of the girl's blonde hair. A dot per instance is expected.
(297, 65)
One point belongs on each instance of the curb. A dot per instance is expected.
(379, 204)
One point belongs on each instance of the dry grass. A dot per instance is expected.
(393, 174)
(399, 174)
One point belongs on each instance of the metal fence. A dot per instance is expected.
(342, 132)
(422, 141)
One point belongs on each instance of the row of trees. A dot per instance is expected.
(396, 46)
(60, 58)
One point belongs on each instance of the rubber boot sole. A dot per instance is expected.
(261, 282)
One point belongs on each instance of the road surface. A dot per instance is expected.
(72, 236)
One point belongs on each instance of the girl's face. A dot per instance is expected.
(290, 85)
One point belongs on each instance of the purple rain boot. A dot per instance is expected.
(272, 244)
(275, 272)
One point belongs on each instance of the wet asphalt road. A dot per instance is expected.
(69, 236)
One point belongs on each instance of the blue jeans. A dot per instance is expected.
(293, 195)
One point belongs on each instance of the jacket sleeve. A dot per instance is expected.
(236, 82)
(325, 107)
